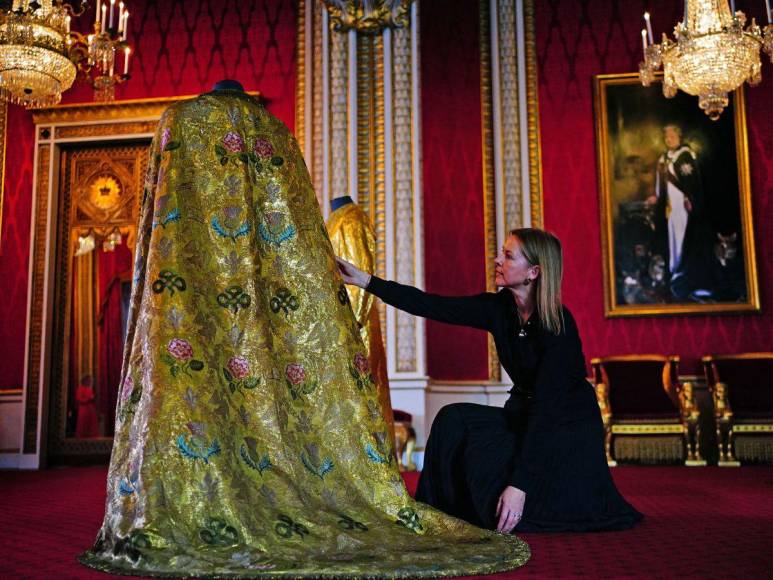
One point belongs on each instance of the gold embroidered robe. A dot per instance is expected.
(354, 240)
(249, 438)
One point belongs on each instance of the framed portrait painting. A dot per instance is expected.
(675, 198)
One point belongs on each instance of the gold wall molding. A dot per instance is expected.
(35, 326)
(532, 114)
(3, 140)
(368, 17)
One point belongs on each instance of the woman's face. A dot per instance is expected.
(512, 267)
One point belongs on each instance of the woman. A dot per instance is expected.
(537, 464)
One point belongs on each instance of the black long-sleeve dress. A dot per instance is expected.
(546, 441)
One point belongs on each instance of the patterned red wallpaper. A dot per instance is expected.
(577, 39)
(182, 48)
(453, 182)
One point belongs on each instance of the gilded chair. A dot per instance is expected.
(741, 386)
(405, 440)
(640, 395)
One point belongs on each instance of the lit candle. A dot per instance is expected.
(67, 24)
(644, 42)
(112, 65)
(120, 17)
(649, 27)
(125, 24)
(99, 4)
(112, 12)
(767, 11)
(104, 20)
(127, 51)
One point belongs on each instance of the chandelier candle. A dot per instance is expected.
(127, 51)
(112, 12)
(649, 27)
(120, 18)
(644, 42)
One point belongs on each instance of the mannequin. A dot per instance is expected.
(354, 240)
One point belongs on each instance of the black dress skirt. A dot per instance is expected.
(548, 440)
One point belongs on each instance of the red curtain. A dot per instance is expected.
(114, 267)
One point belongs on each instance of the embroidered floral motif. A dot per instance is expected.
(234, 298)
(263, 148)
(167, 143)
(297, 381)
(382, 453)
(168, 280)
(132, 545)
(343, 295)
(233, 142)
(274, 231)
(410, 519)
(196, 447)
(286, 527)
(229, 225)
(249, 453)
(216, 532)
(348, 523)
(128, 485)
(181, 359)
(285, 301)
(237, 372)
(128, 398)
(360, 371)
(312, 461)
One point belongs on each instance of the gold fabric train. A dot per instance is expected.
(249, 439)
(354, 239)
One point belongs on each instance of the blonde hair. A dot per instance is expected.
(543, 249)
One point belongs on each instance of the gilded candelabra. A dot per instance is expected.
(713, 53)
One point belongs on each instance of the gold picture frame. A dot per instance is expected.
(658, 258)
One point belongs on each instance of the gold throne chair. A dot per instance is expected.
(648, 415)
(742, 391)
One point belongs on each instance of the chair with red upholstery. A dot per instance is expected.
(405, 439)
(741, 386)
(641, 396)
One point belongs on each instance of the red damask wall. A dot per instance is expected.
(453, 183)
(182, 48)
(577, 39)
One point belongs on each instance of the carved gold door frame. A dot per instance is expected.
(62, 132)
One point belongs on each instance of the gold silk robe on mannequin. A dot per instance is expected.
(354, 240)
(249, 438)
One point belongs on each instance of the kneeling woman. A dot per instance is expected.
(537, 464)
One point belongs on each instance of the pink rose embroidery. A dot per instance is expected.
(263, 148)
(295, 373)
(361, 363)
(180, 349)
(165, 136)
(233, 142)
(238, 367)
(126, 389)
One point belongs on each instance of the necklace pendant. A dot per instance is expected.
(522, 333)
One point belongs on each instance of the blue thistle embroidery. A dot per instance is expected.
(126, 487)
(260, 466)
(277, 239)
(191, 450)
(171, 217)
(224, 232)
(374, 455)
(321, 471)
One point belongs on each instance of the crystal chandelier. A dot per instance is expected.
(34, 65)
(40, 56)
(712, 56)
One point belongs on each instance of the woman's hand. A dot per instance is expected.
(510, 509)
(351, 274)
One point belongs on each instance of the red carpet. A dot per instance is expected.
(701, 523)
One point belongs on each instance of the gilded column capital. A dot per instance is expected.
(368, 16)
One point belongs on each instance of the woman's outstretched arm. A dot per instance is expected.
(476, 311)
